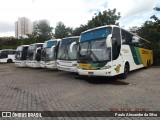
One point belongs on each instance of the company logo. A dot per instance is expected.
(145, 52)
(118, 68)
(125, 50)
(6, 114)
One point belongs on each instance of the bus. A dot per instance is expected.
(34, 55)
(49, 54)
(21, 56)
(110, 51)
(67, 59)
(7, 55)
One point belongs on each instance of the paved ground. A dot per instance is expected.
(26, 89)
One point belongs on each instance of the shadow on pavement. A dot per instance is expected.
(102, 80)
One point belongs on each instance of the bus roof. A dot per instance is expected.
(7, 50)
(70, 37)
(23, 46)
(37, 44)
(113, 26)
(99, 28)
(53, 40)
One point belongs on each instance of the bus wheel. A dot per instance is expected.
(148, 64)
(9, 61)
(126, 71)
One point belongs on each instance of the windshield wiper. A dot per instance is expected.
(91, 53)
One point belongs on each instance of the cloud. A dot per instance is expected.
(130, 8)
(94, 10)
(71, 12)
(105, 5)
(6, 26)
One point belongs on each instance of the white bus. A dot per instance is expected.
(67, 59)
(7, 55)
(49, 54)
(21, 56)
(110, 51)
(34, 55)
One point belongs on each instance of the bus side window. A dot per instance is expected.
(135, 41)
(126, 37)
(123, 37)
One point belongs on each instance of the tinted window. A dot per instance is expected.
(126, 37)
(133, 40)
(116, 43)
(40, 45)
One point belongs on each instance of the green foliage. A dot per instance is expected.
(151, 31)
(43, 32)
(77, 31)
(102, 18)
(105, 18)
(157, 8)
(61, 31)
(133, 29)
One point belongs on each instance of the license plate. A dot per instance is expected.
(62, 68)
(90, 73)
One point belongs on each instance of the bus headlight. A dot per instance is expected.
(106, 67)
(78, 67)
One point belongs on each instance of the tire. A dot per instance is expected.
(9, 61)
(148, 64)
(126, 71)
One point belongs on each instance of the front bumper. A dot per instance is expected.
(68, 68)
(104, 72)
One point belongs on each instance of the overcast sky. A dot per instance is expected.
(73, 12)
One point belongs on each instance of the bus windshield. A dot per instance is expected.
(47, 54)
(63, 51)
(49, 44)
(18, 54)
(30, 52)
(93, 48)
(21, 53)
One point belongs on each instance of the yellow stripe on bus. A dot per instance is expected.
(146, 55)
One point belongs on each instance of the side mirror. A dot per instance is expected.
(77, 42)
(108, 41)
(38, 54)
(71, 46)
(52, 48)
(39, 48)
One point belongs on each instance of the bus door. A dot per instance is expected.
(117, 58)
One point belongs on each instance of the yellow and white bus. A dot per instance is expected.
(34, 55)
(67, 59)
(21, 55)
(110, 51)
(49, 54)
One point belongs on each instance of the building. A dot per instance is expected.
(22, 27)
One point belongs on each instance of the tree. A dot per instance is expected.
(43, 31)
(77, 31)
(150, 30)
(107, 17)
(61, 31)
(133, 29)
